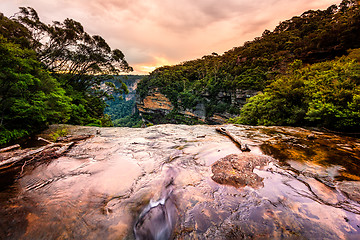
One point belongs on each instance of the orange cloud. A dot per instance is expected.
(175, 30)
(151, 66)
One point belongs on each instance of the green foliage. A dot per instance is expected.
(312, 37)
(94, 124)
(7, 136)
(106, 121)
(29, 97)
(121, 109)
(70, 49)
(60, 132)
(80, 62)
(133, 120)
(15, 32)
(324, 94)
(52, 73)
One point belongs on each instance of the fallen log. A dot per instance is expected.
(18, 159)
(50, 151)
(44, 140)
(64, 148)
(243, 147)
(73, 138)
(16, 146)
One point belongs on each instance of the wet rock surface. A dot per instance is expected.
(98, 190)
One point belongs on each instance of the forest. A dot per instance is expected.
(307, 69)
(121, 107)
(52, 73)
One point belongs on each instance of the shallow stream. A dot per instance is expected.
(98, 189)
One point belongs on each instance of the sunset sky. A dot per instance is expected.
(153, 33)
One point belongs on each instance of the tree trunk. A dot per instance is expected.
(9, 148)
(243, 147)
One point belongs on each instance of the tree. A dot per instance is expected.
(66, 47)
(29, 97)
(79, 61)
(15, 32)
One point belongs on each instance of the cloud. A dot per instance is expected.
(174, 31)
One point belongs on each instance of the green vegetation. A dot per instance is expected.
(52, 73)
(314, 37)
(121, 108)
(324, 94)
(30, 97)
(60, 132)
(133, 120)
(307, 69)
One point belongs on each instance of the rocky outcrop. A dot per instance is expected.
(158, 179)
(237, 170)
(351, 189)
(199, 112)
(157, 106)
(238, 96)
(154, 102)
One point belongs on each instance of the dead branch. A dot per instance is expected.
(44, 140)
(64, 148)
(18, 159)
(243, 147)
(50, 151)
(16, 146)
(22, 168)
(73, 138)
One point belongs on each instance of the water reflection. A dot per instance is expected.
(325, 152)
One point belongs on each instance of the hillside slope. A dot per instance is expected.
(214, 88)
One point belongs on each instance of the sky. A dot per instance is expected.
(153, 33)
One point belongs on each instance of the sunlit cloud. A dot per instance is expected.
(175, 30)
(151, 66)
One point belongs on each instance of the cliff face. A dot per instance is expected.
(155, 101)
(157, 108)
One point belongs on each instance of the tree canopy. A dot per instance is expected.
(29, 96)
(325, 94)
(65, 47)
(53, 73)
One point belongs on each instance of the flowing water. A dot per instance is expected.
(157, 181)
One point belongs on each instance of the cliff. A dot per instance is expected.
(156, 108)
(155, 102)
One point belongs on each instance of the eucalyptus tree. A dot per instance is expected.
(81, 62)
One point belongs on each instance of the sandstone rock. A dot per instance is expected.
(237, 170)
(157, 105)
(351, 189)
(155, 101)
(217, 119)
